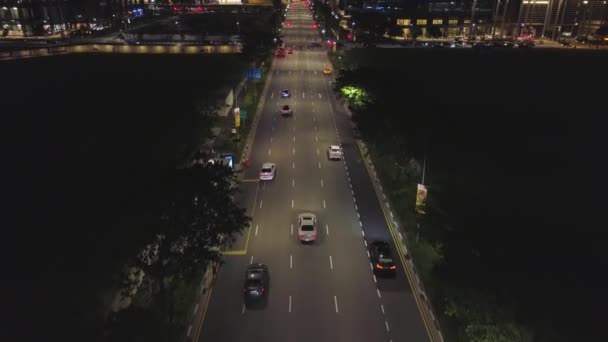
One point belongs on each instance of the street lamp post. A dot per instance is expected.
(238, 28)
(178, 28)
(495, 18)
(504, 15)
(472, 18)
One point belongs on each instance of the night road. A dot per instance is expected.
(324, 291)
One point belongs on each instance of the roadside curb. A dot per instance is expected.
(417, 285)
(204, 292)
(254, 125)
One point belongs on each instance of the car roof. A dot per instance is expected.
(307, 216)
(256, 271)
(334, 147)
(383, 244)
(267, 165)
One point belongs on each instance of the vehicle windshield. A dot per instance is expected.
(308, 228)
(253, 283)
(285, 107)
(267, 170)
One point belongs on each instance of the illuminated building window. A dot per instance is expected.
(437, 21)
(467, 21)
(453, 21)
(420, 21)
(404, 22)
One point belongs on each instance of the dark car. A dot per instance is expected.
(256, 281)
(285, 93)
(382, 258)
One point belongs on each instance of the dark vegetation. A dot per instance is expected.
(512, 246)
(90, 179)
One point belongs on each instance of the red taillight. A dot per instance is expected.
(379, 266)
(393, 267)
(314, 236)
(301, 236)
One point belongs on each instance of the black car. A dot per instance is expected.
(382, 258)
(285, 93)
(256, 282)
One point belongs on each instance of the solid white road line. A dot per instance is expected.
(327, 229)
(379, 295)
(256, 230)
(289, 303)
(290, 261)
(336, 303)
(331, 263)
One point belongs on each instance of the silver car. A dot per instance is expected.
(307, 227)
(334, 152)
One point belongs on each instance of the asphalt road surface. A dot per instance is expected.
(325, 291)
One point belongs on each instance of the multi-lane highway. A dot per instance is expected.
(325, 291)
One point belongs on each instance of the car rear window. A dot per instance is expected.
(266, 170)
(285, 107)
(308, 228)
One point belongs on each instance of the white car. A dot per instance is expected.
(267, 171)
(286, 110)
(307, 227)
(334, 152)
